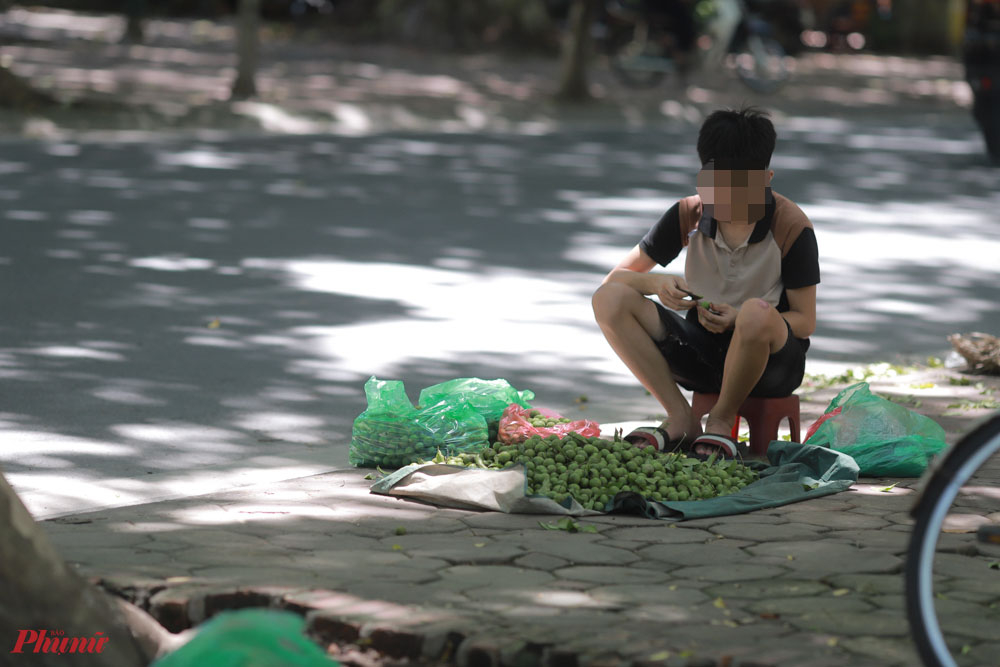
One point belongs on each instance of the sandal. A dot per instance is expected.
(726, 447)
(655, 437)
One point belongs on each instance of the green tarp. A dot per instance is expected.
(793, 472)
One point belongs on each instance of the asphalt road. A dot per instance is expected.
(183, 315)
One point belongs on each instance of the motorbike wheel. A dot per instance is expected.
(635, 56)
(759, 62)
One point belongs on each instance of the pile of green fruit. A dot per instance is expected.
(397, 443)
(592, 470)
(539, 420)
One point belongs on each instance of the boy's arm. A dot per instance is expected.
(634, 271)
(801, 313)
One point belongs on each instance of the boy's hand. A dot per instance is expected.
(673, 293)
(717, 323)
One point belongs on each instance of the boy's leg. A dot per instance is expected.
(760, 331)
(631, 323)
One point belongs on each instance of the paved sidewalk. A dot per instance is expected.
(813, 583)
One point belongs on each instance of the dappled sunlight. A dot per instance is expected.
(205, 303)
(881, 490)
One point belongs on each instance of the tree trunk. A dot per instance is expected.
(248, 27)
(41, 594)
(135, 11)
(923, 26)
(576, 52)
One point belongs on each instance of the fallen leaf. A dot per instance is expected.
(397, 547)
(662, 655)
(889, 488)
(790, 557)
(214, 324)
(832, 641)
(401, 530)
(720, 603)
(479, 544)
(841, 592)
(770, 615)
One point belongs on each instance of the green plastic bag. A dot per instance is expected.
(249, 638)
(884, 438)
(489, 397)
(393, 433)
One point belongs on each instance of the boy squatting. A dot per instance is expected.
(753, 264)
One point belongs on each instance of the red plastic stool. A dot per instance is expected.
(762, 414)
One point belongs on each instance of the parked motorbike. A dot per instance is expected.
(642, 51)
(981, 57)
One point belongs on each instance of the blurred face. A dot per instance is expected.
(735, 195)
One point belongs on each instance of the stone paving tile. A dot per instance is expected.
(229, 538)
(720, 573)
(872, 539)
(960, 566)
(888, 652)
(608, 574)
(575, 548)
(671, 533)
(867, 584)
(846, 519)
(508, 522)
(465, 577)
(73, 537)
(897, 602)
(879, 623)
(767, 588)
(544, 596)
(619, 520)
(768, 533)
(309, 541)
(967, 619)
(250, 575)
(797, 606)
(95, 556)
(382, 527)
(642, 594)
(453, 548)
(537, 561)
(713, 551)
(821, 557)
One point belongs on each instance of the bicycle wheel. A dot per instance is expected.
(635, 55)
(953, 560)
(759, 62)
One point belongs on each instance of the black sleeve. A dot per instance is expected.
(663, 240)
(800, 267)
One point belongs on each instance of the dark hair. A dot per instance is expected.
(737, 139)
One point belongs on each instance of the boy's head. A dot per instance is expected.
(735, 148)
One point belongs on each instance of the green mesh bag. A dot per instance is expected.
(393, 433)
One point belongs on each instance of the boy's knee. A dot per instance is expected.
(755, 318)
(610, 299)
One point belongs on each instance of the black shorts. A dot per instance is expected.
(697, 356)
